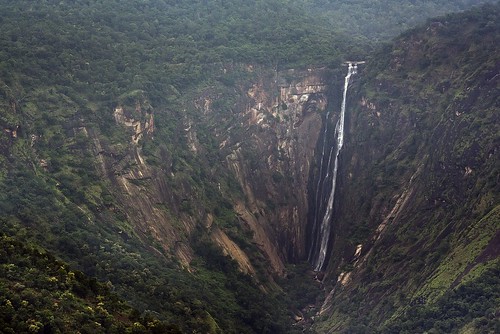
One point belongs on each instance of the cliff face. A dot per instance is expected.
(269, 150)
(267, 145)
(142, 190)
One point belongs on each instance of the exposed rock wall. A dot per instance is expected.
(142, 190)
(281, 121)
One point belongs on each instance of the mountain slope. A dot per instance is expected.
(418, 205)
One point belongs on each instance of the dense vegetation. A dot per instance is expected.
(473, 307)
(42, 295)
(64, 67)
(216, 297)
(104, 49)
(384, 19)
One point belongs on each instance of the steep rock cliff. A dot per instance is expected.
(264, 135)
(268, 145)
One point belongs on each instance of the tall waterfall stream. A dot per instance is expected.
(322, 216)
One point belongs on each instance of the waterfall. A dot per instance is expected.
(321, 231)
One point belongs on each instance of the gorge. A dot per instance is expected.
(211, 167)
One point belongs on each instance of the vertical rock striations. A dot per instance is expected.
(270, 155)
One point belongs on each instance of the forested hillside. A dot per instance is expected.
(42, 295)
(135, 144)
(418, 219)
(383, 19)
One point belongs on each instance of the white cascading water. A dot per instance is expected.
(324, 233)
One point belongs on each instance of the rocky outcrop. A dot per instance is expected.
(143, 191)
(141, 121)
(231, 249)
